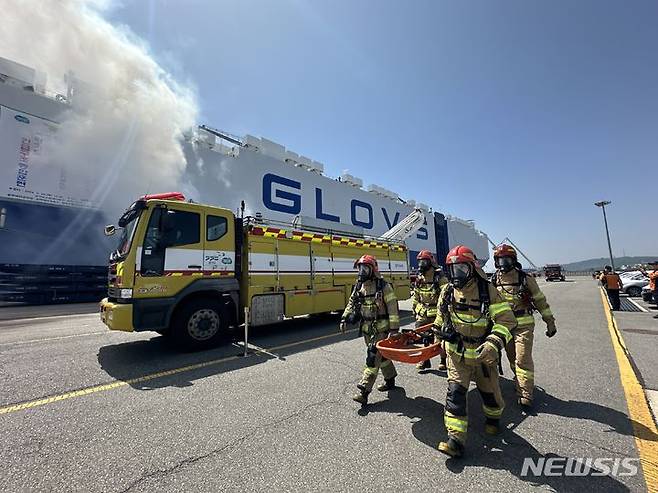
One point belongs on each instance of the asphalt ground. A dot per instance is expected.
(85, 409)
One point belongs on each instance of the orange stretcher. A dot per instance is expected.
(408, 347)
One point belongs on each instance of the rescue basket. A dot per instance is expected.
(409, 347)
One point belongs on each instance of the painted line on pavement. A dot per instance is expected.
(14, 321)
(644, 426)
(11, 408)
(31, 341)
(638, 305)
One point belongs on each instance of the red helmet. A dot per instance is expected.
(367, 260)
(460, 255)
(504, 251)
(425, 255)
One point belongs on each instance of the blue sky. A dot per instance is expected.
(517, 114)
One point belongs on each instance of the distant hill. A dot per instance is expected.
(599, 263)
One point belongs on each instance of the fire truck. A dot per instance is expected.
(553, 272)
(188, 270)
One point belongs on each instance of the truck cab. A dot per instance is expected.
(172, 257)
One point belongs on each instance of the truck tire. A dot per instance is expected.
(200, 324)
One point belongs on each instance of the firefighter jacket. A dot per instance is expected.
(426, 295)
(523, 294)
(471, 319)
(374, 307)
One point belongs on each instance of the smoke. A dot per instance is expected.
(122, 135)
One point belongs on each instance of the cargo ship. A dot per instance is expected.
(52, 247)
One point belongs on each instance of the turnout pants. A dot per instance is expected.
(613, 296)
(461, 372)
(375, 362)
(519, 353)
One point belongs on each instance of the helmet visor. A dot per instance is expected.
(504, 263)
(424, 265)
(460, 273)
(365, 271)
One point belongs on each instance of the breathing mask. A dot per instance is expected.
(365, 272)
(505, 264)
(460, 274)
(424, 265)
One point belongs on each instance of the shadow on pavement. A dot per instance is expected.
(618, 421)
(507, 451)
(131, 361)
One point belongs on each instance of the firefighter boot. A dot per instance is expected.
(492, 426)
(361, 396)
(423, 365)
(442, 363)
(452, 448)
(524, 402)
(389, 384)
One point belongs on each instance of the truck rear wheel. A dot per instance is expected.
(200, 324)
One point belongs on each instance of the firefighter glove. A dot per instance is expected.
(488, 351)
(394, 335)
(551, 329)
(343, 326)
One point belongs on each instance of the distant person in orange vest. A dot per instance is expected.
(612, 284)
(653, 283)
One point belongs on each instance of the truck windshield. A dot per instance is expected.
(128, 224)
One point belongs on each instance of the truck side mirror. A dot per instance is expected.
(110, 229)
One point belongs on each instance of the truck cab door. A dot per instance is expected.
(219, 243)
(173, 243)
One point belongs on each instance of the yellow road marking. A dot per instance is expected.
(145, 378)
(644, 427)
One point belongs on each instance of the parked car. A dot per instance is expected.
(633, 284)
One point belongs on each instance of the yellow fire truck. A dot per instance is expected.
(188, 270)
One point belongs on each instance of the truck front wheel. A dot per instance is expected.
(200, 324)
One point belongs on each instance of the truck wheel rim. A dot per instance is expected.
(203, 324)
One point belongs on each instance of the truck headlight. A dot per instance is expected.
(125, 293)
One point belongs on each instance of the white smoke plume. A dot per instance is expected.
(122, 136)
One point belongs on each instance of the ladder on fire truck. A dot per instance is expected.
(407, 227)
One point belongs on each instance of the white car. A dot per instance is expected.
(634, 283)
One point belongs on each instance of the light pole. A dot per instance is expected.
(602, 205)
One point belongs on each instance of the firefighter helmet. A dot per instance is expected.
(504, 251)
(367, 260)
(461, 265)
(368, 268)
(426, 261)
(459, 255)
(425, 255)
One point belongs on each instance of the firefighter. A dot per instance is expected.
(612, 284)
(524, 296)
(475, 323)
(374, 308)
(426, 296)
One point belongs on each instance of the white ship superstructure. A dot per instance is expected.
(40, 197)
